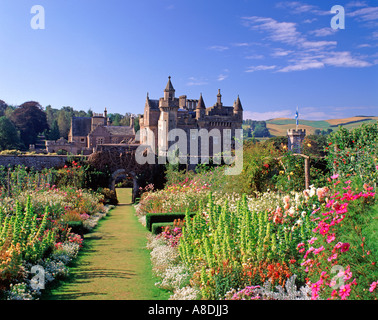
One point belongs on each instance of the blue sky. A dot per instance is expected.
(276, 55)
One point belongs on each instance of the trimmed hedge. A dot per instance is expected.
(158, 227)
(76, 227)
(152, 218)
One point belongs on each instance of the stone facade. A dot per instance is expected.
(87, 133)
(295, 139)
(167, 113)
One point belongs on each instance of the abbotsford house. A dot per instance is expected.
(87, 133)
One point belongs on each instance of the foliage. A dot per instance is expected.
(9, 136)
(354, 152)
(30, 120)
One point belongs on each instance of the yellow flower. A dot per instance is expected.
(309, 145)
(291, 173)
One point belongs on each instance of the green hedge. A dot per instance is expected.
(158, 227)
(152, 218)
(76, 227)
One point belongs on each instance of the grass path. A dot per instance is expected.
(114, 263)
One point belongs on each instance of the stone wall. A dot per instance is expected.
(39, 162)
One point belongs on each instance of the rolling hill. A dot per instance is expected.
(279, 126)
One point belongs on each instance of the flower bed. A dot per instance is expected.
(319, 244)
(35, 232)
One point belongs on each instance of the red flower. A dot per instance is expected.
(345, 247)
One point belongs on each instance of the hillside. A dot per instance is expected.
(279, 126)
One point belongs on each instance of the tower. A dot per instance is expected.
(168, 107)
(169, 92)
(296, 138)
(219, 99)
(238, 109)
(201, 108)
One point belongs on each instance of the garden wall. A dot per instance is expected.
(39, 162)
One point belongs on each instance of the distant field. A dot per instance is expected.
(279, 126)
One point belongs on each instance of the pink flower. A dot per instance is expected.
(374, 284)
(315, 287)
(312, 240)
(318, 250)
(338, 245)
(308, 252)
(344, 291)
(347, 274)
(335, 176)
(334, 256)
(324, 229)
(300, 245)
(331, 238)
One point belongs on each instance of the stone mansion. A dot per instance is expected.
(87, 133)
(171, 112)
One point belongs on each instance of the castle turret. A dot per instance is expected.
(219, 99)
(295, 139)
(238, 109)
(169, 92)
(201, 108)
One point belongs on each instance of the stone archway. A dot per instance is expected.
(121, 172)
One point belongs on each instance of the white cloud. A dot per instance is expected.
(222, 77)
(356, 4)
(302, 65)
(263, 116)
(218, 48)
(310, 20)
(306, 54)
(241, 44)
(285, 32)
(365, 14)
(323, 32)
(297, 7)
(260, 68)
(196, 82)
(318, 44)
(278, 52)
(345, 59)
(255, 57)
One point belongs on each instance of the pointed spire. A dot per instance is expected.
(238, 105)
(169, 86)
(148, 105)
(201, 103)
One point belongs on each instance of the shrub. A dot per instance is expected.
(159, 227)
(152, 218)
